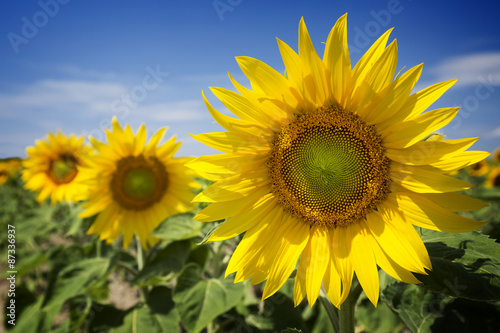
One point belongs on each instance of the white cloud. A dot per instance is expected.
(186, 110)
(495, 133)
(470, 69)
(60, 95)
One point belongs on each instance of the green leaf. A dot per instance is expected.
(104, 317)
(377, 320)
(178, 227)
(156, 316)
(75, 279)
(207, 236)
(425, 311)
(200, 301)
(291, 330)
(162, 308)
(171, 259)
(465, 265)
(417, 307)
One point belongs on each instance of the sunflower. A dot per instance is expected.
(496, 155)
(494, 178)
(134, 186)
(51, 167)
(478, 169)
(328, 164)
(9, 168)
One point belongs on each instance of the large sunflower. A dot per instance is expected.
(328, 164)
(133, 185)
(51, 167)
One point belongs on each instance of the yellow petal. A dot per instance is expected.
(228, 164)
(407, 133)
(153, 142)
(454, 202)
(364, 65)
(379, 76)
(341, 248)
(338, 61)
(418, 103)
(395, 237)
(317, 263)
(461, 160)
(286, 258)
(244, 220)
(264, 78)
(239, 105)
(363, 261)
(232, 188)
(388, 102)
(313, 62)
(426, 152)
(424, 213)
(222, 210)
(236, 125)
(385, 262)
(230, 142)
(423, 179)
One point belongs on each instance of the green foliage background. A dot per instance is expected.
(68, 281)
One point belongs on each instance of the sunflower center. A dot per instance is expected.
(139, 182)
(329, 167)
(496, 181)
(63, 169)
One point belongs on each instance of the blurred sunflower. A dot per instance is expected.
(134, 186)
(9, 168)
(327, 164)
(51, 167)
(496, 155)
(478, 169)
(493, 178)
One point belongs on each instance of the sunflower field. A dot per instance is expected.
(335, 205)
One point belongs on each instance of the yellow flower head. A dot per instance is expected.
(493, 178)
(51, 167)
(496, 155)
(9, 168)
(134, 186)
(478, 169)
(328, 164)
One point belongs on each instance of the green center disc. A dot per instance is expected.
(139, 183)
(63, 170)
(328, 167)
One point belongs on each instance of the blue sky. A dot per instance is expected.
(70, 64)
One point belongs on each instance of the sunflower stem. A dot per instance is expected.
(98, 248)
(140, 265)
(346, 313)
(331, 311)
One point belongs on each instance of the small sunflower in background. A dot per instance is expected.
(493, 178)
(327, 166)
(478, 169)
(496, 156)
(51, 167)
(134, 186)
(9, 168)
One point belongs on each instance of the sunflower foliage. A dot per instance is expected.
(316, 197)
(68, 281)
